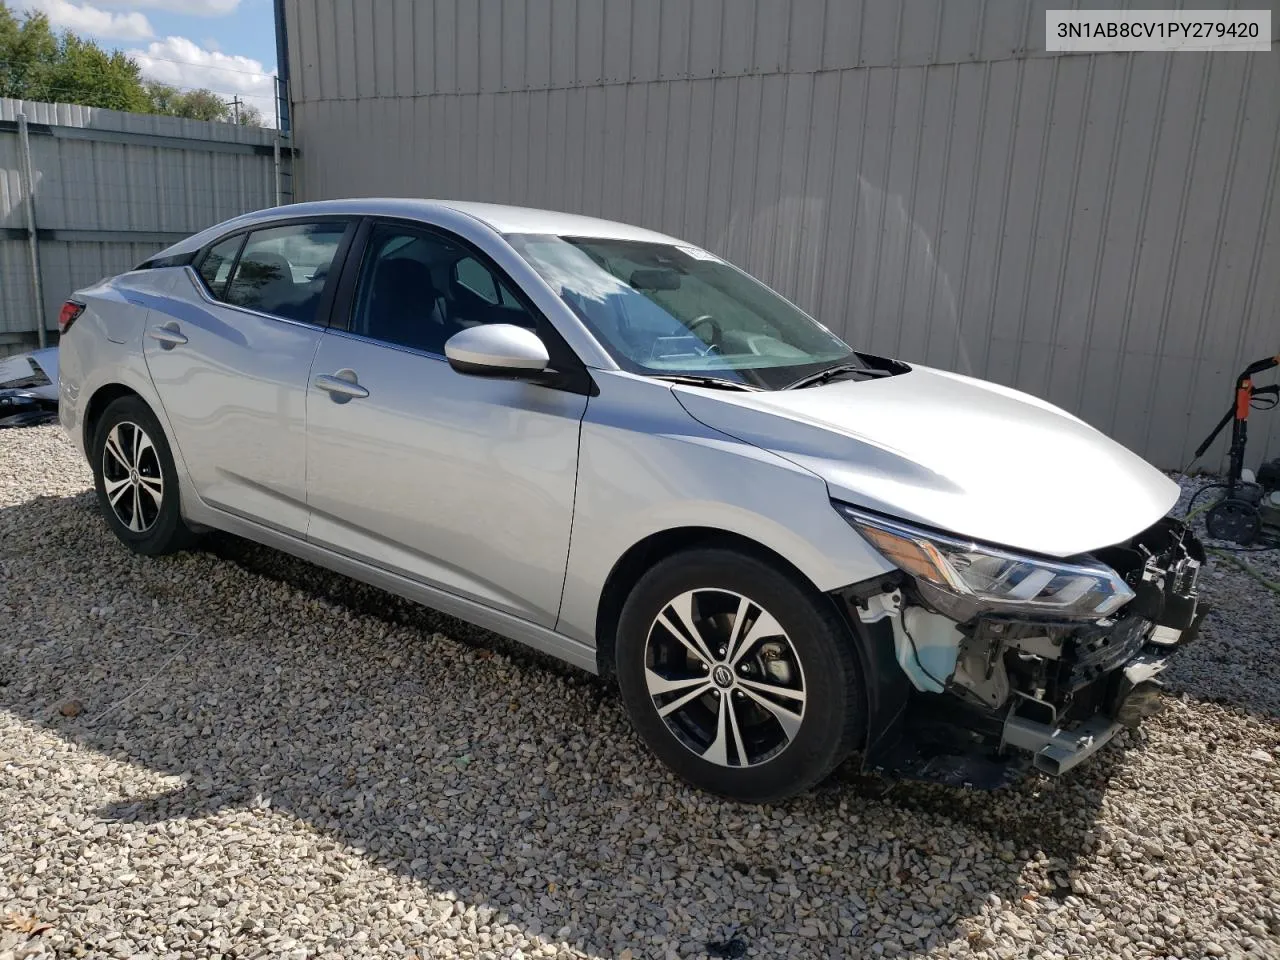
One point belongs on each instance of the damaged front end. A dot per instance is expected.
(985, 662)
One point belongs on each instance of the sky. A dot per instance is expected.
(227, 46)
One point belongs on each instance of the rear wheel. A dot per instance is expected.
(136, 480)
(739, 675)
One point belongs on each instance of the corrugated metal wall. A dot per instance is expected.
(111, 188)
(1101, 230)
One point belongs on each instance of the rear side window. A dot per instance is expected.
(218, 263)
(279, 270)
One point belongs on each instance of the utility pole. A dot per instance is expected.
(235, 105)
(27, 187)
(276, 142)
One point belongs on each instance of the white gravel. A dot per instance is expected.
(231, 753)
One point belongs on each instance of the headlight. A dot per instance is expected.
(988, 578)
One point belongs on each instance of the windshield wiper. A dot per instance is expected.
(694, 380)
(829, 374)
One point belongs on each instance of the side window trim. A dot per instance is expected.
(324, 310)
(342, 305)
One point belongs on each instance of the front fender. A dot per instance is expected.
(646, 466)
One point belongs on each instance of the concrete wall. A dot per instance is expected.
(1101, 230)
(111, 188)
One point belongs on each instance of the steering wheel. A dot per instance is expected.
(717, 331)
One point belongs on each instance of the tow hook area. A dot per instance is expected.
(1056, 751)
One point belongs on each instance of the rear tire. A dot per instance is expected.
(739, 675)
(136, 479)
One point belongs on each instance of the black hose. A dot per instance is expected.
(1196, 496)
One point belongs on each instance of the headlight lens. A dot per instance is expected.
(991, 578)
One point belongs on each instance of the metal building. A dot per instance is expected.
(99, 191)
(1098, 229)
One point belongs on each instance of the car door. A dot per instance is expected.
(460, 482)
(229, 356)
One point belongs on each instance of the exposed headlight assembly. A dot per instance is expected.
(964, 578)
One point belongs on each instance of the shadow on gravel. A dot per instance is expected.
(479, 767)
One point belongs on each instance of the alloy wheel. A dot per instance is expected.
(131, 476)
(724, 677)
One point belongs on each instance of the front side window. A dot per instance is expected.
(661, 308)
(280, 270)
(472, 274)
(418, 288)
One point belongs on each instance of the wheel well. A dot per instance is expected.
(653, 549)
(99, 403)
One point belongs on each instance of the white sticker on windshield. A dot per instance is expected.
(698, 253)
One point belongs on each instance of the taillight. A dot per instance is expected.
(70, 310)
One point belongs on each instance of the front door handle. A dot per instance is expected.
(341, 386)
(169, 334)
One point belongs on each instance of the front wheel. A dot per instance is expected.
(739, 675)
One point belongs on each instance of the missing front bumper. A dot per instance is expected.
(972, 703)
(1133, 695)
(951, 739)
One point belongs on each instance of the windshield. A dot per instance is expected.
(663, 309)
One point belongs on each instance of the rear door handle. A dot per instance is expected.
(169, 334)
(341, 386)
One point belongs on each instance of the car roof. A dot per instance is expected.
(502, 218)
(509, 219)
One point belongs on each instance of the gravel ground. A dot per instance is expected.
(232, 753)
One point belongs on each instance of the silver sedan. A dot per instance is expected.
(621, 450)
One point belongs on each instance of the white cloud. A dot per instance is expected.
(84, 18)
(198, 8)
(180, 62)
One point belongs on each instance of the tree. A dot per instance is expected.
(27, 50)
(161, 97)
(197, 105)
(85, 73)
(38, 64)
(250, 116)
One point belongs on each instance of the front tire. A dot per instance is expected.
(136, 479)
(739, 675)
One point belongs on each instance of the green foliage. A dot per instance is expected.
(197, 105)
(28, 50)
(194, 105)
(38, 64)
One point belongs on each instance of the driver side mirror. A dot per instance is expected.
(497, 350)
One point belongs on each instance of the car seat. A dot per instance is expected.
(403, 307)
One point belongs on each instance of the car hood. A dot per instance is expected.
(954, 453)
